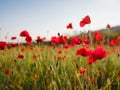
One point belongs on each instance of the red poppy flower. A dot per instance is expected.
(63, 39)
(35, 57)
(55, 40)
(118, 39)
(86, 40)
(13, 44)
(66, 37)
(84, 52)
(82, 70)
(85, 20)
(59, 51)
(24, 33)
(7, 72)
(96, 33)
(13, 38)
(66, 46)
(98, 36)
(97, 54)
(3, 45)
(112, 42)
(75, 40)
(28, 40)
(59, 40)
(20, 56)
(69, 26)
(39, 39)
(93, 58)
(108, 26)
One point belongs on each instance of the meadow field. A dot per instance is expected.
(84, 62)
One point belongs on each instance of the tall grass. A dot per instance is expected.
(54, 71)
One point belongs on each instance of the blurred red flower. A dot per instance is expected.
(75, 40)
(108, 26)
(24, 33)
(82, 70)
(35, 57)
(98, 36)
(118, 39)
(69, 26)
(96, 33)
(85, 51)
(3, 45)
(13, 38)
(60, 39)
(86, 40)
(66, 46)
(55, 40)
(91, 60)
(85, 20)
(28, 40)
(97, 54)
(13, 44)
(39, 39)
(112, 42)
(7, 72)
(20, 56)
(59, 51)
(63, 39)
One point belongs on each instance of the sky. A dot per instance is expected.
(46, 18)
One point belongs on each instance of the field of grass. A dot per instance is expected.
(65, 66)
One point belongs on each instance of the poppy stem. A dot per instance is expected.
(108, 38)
(90, 37)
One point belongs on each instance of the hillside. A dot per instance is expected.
(113, 32)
